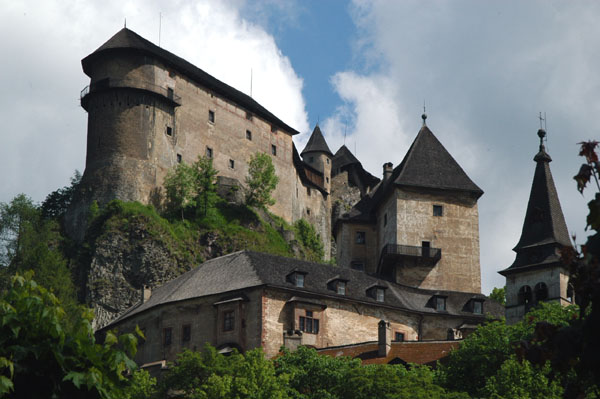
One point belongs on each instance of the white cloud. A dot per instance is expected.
(44, 126)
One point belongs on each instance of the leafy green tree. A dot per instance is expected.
(520, 379)
(142, 386)
(210, 375)
(179, 188)
(205, 184)
(261, 181)
(57, 202)
(15, 218)
(43, 356)
(499, 295)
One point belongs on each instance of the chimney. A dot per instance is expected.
(146, 293)
(388, 168)
(385, 339)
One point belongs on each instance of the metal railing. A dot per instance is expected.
(132, 83)
(434, 254)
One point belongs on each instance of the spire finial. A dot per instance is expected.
(125, 24)
(541, 132)
(424, 116)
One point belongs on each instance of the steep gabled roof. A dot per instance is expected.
(544, 228)
(428, 164)
(344, 157)
(127, 40)
(317, 143)
(247, 269)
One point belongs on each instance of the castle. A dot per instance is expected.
(407, 244)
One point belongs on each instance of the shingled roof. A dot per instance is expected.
(544, 224)
(247, 269)
(127, 40)
(426, 165)
(344, 157)
(317, 143)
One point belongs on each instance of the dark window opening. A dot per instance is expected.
(384, 219)
(308, 211)
(186, 333)
(308, 191)
(273, 129)
(426, 245)
(209, 152)
(248, 135)
(170, 93)
(169, 131)
(248, 115)
(167, 336)
(361, 237)
(309, 324)
(524, 295)
(179, 158)
(327, 161)
(229, 320)
(211, 116)
(273, 149)
(438, 210)
(327, 179)
(399, 336)
(171, 74)
(541, 292)
(232, 164)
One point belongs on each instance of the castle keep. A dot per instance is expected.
(407, 245)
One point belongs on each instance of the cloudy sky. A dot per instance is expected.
(362, 69)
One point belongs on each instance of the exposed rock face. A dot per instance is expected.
(121, 264)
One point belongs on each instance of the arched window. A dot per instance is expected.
(524, 296)
(541, 292)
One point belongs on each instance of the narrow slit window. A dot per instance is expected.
(209, 152)
(231, 164)
(211, 116)
(274, 149)
(248, 135)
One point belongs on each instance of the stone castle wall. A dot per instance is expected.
(138, 129)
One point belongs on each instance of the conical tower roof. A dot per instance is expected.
(344, 157)
(317, 143)
(544, 228)
(428, 164)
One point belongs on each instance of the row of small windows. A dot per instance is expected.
(186, 334)
(211, 119)
(312, 159)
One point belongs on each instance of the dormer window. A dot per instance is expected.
(478, 307)
(377, 292)
(338, 285)
(438, 302)
(297, 278)
(341, 287)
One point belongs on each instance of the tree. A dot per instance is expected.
(309, 238)
(179, 188)
(499, 295)
(57, 202)
(210, 375)
(142, 386)
(261, 181)
(15, 218)
(43, 356)
(205, 184)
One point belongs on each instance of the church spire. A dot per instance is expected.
(544, 228)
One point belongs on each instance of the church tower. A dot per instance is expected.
(318, 156)
(537, 273)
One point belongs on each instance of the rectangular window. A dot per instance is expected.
(209, 152)
(399, 336)
(361, 237)
(379, 294)
(308, 191)
(299, 280)
(228, 320)
(167, 336)
(179, 159)
(170, 93)
(341, 287)
(425, 248)
(186, 333)
(440, 303)
(211, 116)
(309, 324)
(438, 210)
(273, 129)
(232, 164)
(477, 307)
(273, 149)
(248, 135)
(327, 161)
(248, 115)
(169, 131)
(384, 219)
(327, 179)
(308, 211)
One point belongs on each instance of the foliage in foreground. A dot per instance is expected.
(41, 355)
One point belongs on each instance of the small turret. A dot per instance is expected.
(318, 155)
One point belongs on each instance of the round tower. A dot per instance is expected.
(131, 105)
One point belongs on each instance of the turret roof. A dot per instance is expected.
(317, 142)
(344, 157)
(128, 40)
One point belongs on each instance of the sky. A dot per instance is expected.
(361, 69)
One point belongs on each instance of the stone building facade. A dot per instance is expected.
(419, 225)
(537, 274)
(246, 300)
(149, 109)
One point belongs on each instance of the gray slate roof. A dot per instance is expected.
(127, 40)
(247, 269)
(544, 225)
(317, 143)
(426, 165)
